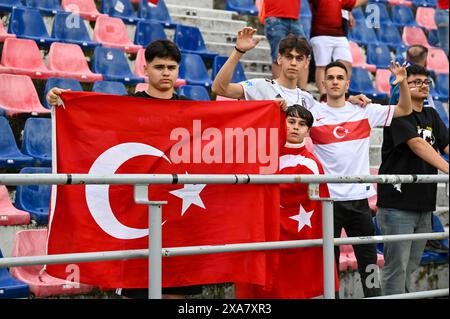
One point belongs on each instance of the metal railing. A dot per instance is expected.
(155, 252)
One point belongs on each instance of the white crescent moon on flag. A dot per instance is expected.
(97, 196)
(335, 132)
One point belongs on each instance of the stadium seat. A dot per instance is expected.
(158, 12)
(190, 40)
(442, 112)
(46, 7)
(10, 156)
(238, 75)
(33, 242)
(442, 87)
(68, 61)
(18, 95)
(359, 60)
(22, 56)
(425, 18)
(85, 8)
(37, 140)
(382, 81)
(9, 215)
(361, 34)
(5, 35)
(148, 31)
(28, 24)
(433, 38)
(305, 10)
(223, 98)
(11, 287)
(358, 14)
(140, 87)
(437, 60)
(425, 3)
(403, 16)
(62, 83)
(380, 246)
(110, 87)
(194, 92)
(384, 15)
(8, 5)
(70, 28)
(405, 3)
(112, 33)
(246, 7)
(139, 68)
(414, 35)
(113, 64)
(196, 73)
(122, 9)
(379, 55)
(2, 112)
(362, 83)
(35, 199)
(388, 34)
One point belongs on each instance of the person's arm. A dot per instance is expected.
(404, 105)
(53, 95)
(360, 3)
(426, 152)
(221, 85)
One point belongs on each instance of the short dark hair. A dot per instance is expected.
(336, 64)
(417, 53)
(416, 69)
(292, 42)
(300, 111)
(162, 49)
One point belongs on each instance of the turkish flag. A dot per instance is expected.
(297, 273)
(105, 134)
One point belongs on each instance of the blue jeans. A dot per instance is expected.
(278, 28)
(401, 258)
(441, 17)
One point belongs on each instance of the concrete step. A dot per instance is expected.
(376, 136)
(202, 23)
(258, 53)
(375, 155)
(192, 3)
(442, 195)
(176, 9)
(227, 37)
(256, 66)
(258, 75)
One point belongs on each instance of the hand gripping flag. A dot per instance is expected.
(105, 135)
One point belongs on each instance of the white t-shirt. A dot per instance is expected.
(341, 138)
(265, 89)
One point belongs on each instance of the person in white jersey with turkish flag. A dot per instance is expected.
(341, 138)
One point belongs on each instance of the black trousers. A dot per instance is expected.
(355, 217)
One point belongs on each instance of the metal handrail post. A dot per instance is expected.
(328, 249)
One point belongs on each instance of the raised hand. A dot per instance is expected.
(398, 71)
(245, 40)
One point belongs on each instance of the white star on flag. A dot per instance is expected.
(190, 194)
(303, 218)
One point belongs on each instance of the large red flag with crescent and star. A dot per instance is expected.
(108, 134)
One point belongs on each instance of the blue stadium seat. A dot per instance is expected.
(110, 87)
(62, 83)
(159, 12)
(388, 34)
(34, 199)
(193, 70)
(305, 10)
(76, 34)
(113, 64)
(378, 55)
(403, 16)
(433, 38)
(246, 7)
(8, 5)
(384, 15)
(2, 112)
(441, 111)
(11, 287)
(361, 34)
(358, 14)
(238, 75)
(194, 92)
(425, 3)
(46, 7)
(10, 156)
(28, 23)
(362, 83)
(37, 140)
(442, 87)
(190, 40)
(122, 9)
(431, 255)
(380, 246)
(148, 31)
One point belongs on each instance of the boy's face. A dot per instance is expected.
(336, 82)
(297, 129)
(162, 73)
(292, 63)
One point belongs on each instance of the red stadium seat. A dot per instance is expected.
(85, 8)
(141, 87)
(9, 215)
(112, 33)
(33, 242)
(425, 18)
(22, 56)
(382, 81)
(414, 35)
(5, 35)
(68, 61)
(359, 60)
(437, 60)
(18, 95)
(223, 98)
(405, 3)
